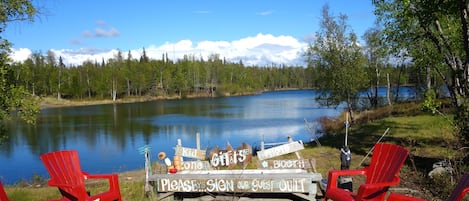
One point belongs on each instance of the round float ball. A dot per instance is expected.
(161, 155)
(173, 170)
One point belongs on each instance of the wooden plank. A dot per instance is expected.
(233, 185)
(237, 182)
(196, 165)
(190, 152)
(280, 150)
(229, 173)
(287, 164)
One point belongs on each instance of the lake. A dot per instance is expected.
(108, 137)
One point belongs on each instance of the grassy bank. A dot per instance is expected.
(426, 136)
(48, 102)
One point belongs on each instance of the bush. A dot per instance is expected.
(334, 125)
(330, 125)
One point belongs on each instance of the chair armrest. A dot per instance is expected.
(334, 176)
(112, 178)
(98, 176)
(367, 187)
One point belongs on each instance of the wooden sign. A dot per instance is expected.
(280, 150)
(190, 152)
(196, 165)
(230, 157)
(288, 164)
(246, 183)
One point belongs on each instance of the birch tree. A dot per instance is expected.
(445, 25)
(338, 58)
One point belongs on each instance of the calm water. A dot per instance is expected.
(107, 137)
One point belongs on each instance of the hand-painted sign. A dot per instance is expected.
(280, 150)
(287, 164)
(196, 165)
(283, 185)
(190, 152)
(239, 181)
(230, 157)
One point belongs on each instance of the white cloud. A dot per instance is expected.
(77, 57)
(106, 33)
(259, 50)
(100, 32)
(20, 54)
(103, 30)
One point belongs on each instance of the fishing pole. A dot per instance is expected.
(385, 132)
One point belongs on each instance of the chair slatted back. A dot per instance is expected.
(386, 161)
(65, 171)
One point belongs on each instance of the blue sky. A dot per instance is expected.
(260, 32)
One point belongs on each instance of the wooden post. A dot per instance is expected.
(262, 143)
(177, 159)
(145, 150)
(346, 129)
(197, 136)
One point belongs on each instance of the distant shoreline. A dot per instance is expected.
(51, 102)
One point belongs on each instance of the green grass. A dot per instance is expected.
(426, 136)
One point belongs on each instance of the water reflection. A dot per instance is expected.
(107, 137)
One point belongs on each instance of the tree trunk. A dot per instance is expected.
(396, 97)
(388, 90)
(114, 91)
(429, 78)
(128, 87)
(350, 112)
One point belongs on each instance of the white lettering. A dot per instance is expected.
(164, 185)
(196, 165)
(229, 158)
(229, 185)
(278, 164)
(244, 185)
(215, 160)
(220, 185)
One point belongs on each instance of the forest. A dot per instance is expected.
(421, 43)
(124, 76)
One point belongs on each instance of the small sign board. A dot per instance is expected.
(190, 152)
(196, 165)
(287, 164)
(201, 184)
(280, 150)
(230, 157)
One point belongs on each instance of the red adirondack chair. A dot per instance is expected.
(66, 174)
(461, 189)
(3, 194)
(386, 161)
